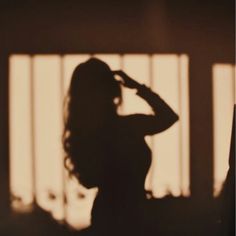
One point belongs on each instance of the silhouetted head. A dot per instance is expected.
(91, 103)
(93, 92)
(94, 84)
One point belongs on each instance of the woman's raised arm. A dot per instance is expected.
(163, 117)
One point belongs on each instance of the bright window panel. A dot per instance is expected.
(48, 130)
(166, 176)
(184, 138)
(223, 104)
(138, 67)
(21, 163)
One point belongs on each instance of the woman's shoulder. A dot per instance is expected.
(125, 119)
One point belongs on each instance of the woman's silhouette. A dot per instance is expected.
(107, 150)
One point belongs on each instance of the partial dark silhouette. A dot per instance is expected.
(107, 150)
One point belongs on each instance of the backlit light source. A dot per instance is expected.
(38, 85)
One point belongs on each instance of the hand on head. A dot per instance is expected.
(125, 79)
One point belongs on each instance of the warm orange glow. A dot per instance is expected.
(167, 154)
(48, 131)
(41, 83)
(184, 125)
(138, 67)
(224, 99)
(21, 181)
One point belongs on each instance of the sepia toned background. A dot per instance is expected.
(183, 50)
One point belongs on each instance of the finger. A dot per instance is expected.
(121, 82)
(116, 72)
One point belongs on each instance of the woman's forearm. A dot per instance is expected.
(161, 109)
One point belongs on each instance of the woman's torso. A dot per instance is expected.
(126, 160)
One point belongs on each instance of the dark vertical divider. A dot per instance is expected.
(201, 130)
(32, 113)
(4, 136)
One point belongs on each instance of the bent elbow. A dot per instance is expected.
(175, 118)
(171, 121)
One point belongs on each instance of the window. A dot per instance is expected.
(38, 84)
(223, 105)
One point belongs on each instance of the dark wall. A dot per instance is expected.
(128, 26)
(202, 29)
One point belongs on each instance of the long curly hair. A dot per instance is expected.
(93, 97)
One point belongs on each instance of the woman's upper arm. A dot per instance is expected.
(150, 124)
